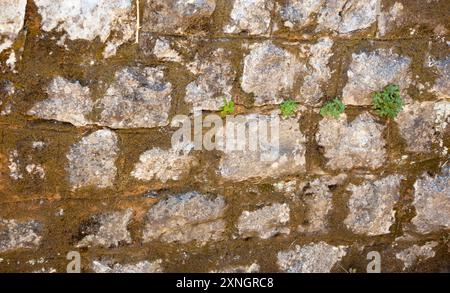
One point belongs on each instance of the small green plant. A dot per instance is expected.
(388, 103)
(333, 108)
(227, 108)
(288, 108)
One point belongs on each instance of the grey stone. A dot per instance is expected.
(316, 73)
(349, 16)
(415, 253)
(253, 268)
(299, 13)
(215, 76)
(423, 125)
(312, 258)
(92, 160)
(16, 235)
(432, 202)
(164, 165)
(317, 201)
(12, 15)
(268, 160)
(250, 16)
(371, 206)
(185, 218)
(370, 72)
(265, 222)
(269, 73)
(67, 102)
(163, 50)
(176, 16)
(388, 18)
(88, 20)
(138, 98)
(442, 84)
(358, 144)
(106, 230)
(142, 267)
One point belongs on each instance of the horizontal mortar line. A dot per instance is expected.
(67, 199)
(264, 38)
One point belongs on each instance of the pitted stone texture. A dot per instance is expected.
(269, 160)
(371, 206)
(12, 15)
(177, 16)
(163, 50)
(389, 17)
(89, 19)
(142, 267)
(442, 84)
(423, 125)
(269, 73)
(67, 102)
(358, 144)
(250, 16)
(312, 258)
(316, 72)
(106, 230)
(164, 165)
(265, 222)
(253, 268)
(16, 235)
(370, 72)
(92, 160)
(432, 202)
(343, 17)
(417, 253)
(299, 13)
(317, 201)
(185, 218)
(138, 98)
(349, 16)
(215, 76)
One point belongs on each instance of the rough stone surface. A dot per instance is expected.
(312, 258)
(106, 230)
(358, 144)
(173, 164)
(67, 102)
(317, 201)
(269, 73)
(92, 160)
(142, 267)
(347, 16)
(89, 19)
(422, 125)
(442, 84)
(239, 165)
(139, 98)
(415, 253)
(12, 15)
(265, 222)
(250, 16)
(164, 51)
(176, 16)
(253, 268)
(389, 17)
(214, 82)
(370, 72)
(371, 206)
(317, 72)
(432, 202)
(298, 13)
(16, 235)
(184, 218)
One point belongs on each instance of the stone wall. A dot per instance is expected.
(86, 162)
